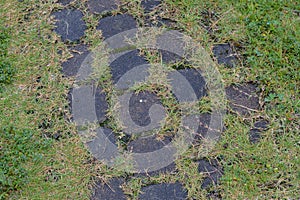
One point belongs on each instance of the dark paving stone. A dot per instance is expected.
(139, 105)
(110, 135)
(71, 66)
(204, 120)
(168, 169)
(225, 54)
(169, 57)
(148, 144)
(163, 191)
(243, 99)
(261, 124)
(65, 2)
(255, 133)
(125, 63)
(212, 172)
(196, 80)
(99, 6)
(69, 24)
(110, 191)
(149, 5)
(113, 25)
(101, 105)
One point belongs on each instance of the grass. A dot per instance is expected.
(42, 157)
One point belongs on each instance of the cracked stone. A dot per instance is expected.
(69, 24)
(100, 6)
(163, 191)
(225, 54)
(109, 191)
(72, 65)
(243, 99)
(113, 25)
(212, 172)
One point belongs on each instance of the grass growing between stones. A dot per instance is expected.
(268, 33)
(42, 156)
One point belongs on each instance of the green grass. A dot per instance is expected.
(34, 109)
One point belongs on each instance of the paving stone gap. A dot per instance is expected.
(243, 98)
(69, 24)
(109, 191)
(225, 54)
(113, 25)
(100, 6)
(72, 65)
(163, 191)
(212, 172)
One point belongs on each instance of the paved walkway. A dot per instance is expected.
(71, 27)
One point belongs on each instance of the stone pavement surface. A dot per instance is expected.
(243, 100)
